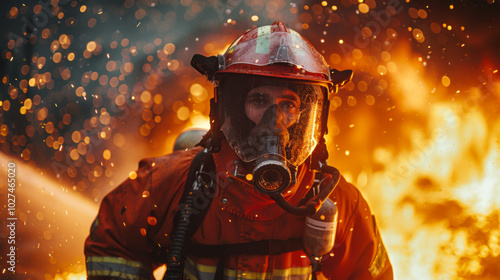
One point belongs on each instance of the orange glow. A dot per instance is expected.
(363, 8)
(410, 92)
(91, 46)
(200, 121)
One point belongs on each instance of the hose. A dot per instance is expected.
(175, 262)
(315, 203)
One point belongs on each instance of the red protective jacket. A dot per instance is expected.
(135, 221)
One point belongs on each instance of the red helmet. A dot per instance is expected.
(274, 51)
(271, 55)
(277, 51)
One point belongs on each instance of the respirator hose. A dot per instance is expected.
(176, 260)
(315, 203)
(305, 210)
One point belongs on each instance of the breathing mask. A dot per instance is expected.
(273, 125)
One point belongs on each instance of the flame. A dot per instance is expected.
(71, 276)
(435, 193)
(437, 201)
(411, 92)
(200, 121)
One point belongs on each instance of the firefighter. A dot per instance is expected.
(238, 205)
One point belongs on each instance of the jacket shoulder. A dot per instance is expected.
(351, 204)
(170, 163)
(359, 250)
(155, 173)
(168, 169)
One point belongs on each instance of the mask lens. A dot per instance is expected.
(271, 176)
(270, 180)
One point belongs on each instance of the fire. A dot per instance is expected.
(434, 195)
(71, 276)
(437, 200)
(410, 91)
(53, 221)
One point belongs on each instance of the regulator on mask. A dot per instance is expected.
(271, 138)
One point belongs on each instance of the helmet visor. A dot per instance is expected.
(272, 117)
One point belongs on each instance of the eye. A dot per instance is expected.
(259, 100)
(289, 106)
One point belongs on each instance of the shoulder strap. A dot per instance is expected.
(198, 192)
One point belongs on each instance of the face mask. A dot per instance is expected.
(273, 125)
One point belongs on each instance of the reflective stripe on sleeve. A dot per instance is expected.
(116, 267)
(379, 262)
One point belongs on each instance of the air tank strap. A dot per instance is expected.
(199, 190)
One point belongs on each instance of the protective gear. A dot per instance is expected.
(275, 51)
(271, 101)
(271, 105)
(133, 226)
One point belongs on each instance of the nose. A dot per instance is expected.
(271, 135)
(275, 118)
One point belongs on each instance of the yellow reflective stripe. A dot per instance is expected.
(116, 267)
(262, 44)
(379, 261)
(190, 275)
(202, 267)
(277, 272)
(256, 275)
(114, 260)
(231, 272)
(114, 274)
(293, 271)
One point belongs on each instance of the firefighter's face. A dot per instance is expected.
(260, 99)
